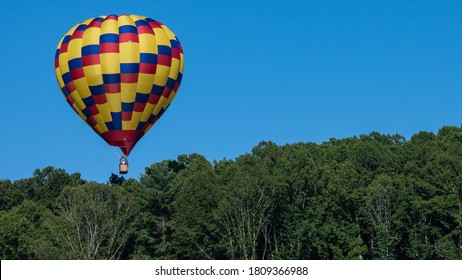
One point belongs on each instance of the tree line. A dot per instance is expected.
(369, 197)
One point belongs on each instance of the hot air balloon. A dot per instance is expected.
(119, 74)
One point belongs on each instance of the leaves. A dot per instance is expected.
(369, 197)
(97, 221)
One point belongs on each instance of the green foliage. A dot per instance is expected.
(369, 197)
(9, 196)
(196, 233)
(154, 195)
(248, 199)
(96, 221)
(24, 232)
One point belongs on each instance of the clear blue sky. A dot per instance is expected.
(285, 71)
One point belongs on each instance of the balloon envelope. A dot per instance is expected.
(119, 74)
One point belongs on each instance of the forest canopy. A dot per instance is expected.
(369, 197)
